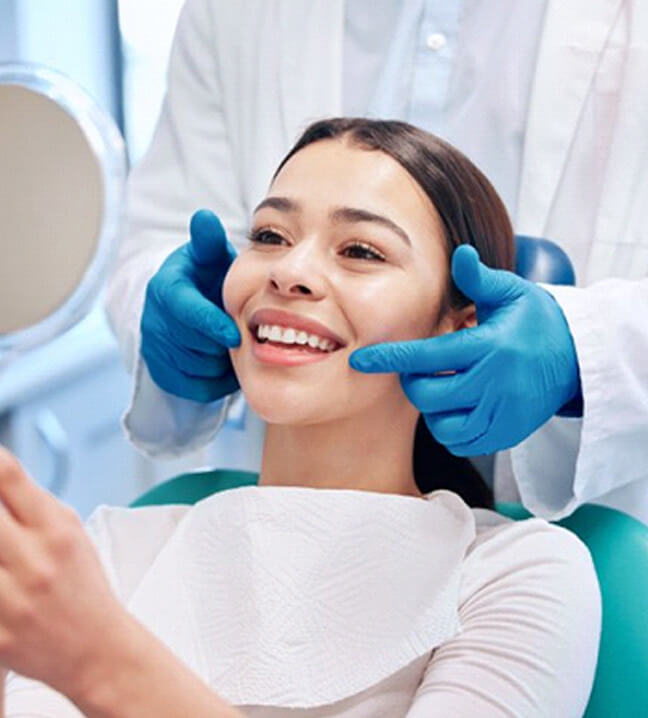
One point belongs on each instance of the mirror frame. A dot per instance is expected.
(107, 146)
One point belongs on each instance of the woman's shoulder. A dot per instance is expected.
(499, 539)
(526, 553)
(530, 615)
(494, 528)
(129, 539)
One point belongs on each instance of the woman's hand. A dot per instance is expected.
(61, 624)
(55, 600)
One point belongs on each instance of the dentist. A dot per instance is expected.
(548, 98)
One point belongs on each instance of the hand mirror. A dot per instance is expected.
(62, 175)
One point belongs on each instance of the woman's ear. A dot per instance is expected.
(466, 318)
(456, 319)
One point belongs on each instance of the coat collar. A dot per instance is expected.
(573, 38)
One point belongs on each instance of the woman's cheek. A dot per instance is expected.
(407, 322)
(394, 307)
(412, 315)
(234, 288)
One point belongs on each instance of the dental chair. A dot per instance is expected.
(617, 542)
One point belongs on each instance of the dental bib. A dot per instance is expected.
(298, 597)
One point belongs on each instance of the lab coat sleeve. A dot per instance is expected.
(189, 165)
(568, 462)
(530, 616)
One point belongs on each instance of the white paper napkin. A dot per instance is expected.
(299, 597)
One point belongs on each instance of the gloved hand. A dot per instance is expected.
(185, 330)
(512, 372)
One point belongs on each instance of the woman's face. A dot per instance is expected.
(346, 251)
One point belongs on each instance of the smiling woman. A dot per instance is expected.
(342, 585)
(357, 231)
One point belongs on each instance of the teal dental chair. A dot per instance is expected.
(617, 542)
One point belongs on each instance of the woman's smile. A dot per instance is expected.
(289, 339)
(345, 251)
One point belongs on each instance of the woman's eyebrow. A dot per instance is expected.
(355, 214)
(283, 204)
(339, 214)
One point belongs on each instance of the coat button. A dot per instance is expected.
(435, 41)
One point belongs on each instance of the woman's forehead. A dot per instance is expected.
(334, 172)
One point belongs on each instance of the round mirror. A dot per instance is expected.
(62, 176)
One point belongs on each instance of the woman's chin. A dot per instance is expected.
(285, 405)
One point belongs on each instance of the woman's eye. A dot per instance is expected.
(265, 236)
(360, 250)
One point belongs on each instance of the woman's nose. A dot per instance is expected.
(298, 273)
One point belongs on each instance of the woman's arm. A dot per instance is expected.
(61, 624)
(141, 678)
(138, 676)
(530, 614)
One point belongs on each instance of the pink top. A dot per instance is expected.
(356, 604)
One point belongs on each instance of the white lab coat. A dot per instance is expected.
(246, 77)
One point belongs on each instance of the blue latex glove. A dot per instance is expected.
(185, 331)
(513, 371)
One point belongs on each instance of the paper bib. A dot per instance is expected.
(299, 597)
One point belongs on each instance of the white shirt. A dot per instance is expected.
(318, 603)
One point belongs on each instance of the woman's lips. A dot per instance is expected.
(278, 317)
(286, 354)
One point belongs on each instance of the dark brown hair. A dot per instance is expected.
(470, 209)
(471, 212)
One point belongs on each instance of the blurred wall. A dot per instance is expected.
(79, 38)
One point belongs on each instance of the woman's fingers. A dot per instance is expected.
(10, 604)
(54, 593)
(26, 502)
(13, 542)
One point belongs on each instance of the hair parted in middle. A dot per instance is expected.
(471, 212)
(470, 209)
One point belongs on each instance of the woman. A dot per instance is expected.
(339, 586)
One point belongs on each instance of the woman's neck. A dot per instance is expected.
(362, 453)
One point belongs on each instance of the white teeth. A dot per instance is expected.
(274, 334)
(288, 335)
